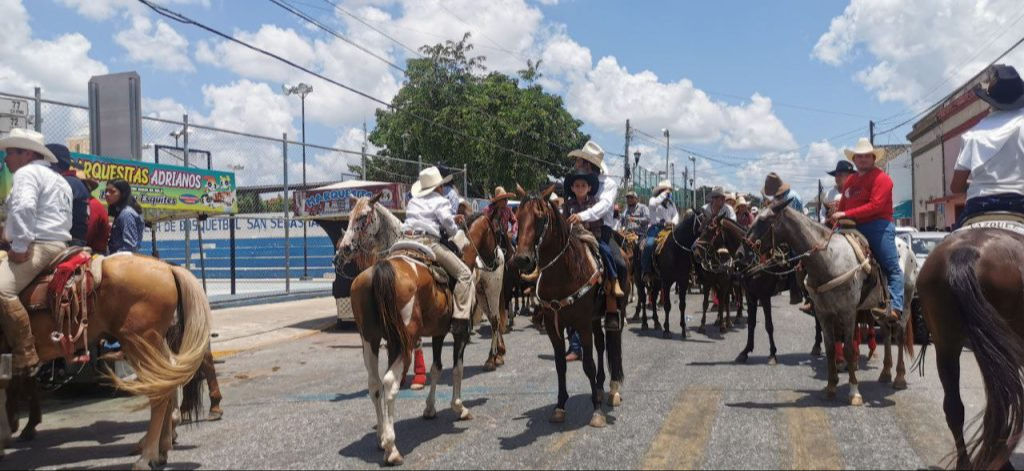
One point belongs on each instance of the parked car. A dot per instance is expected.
(922, 243)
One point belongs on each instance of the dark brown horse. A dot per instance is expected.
(715, 253)
(569, 295)
(674, 267)
(972, 289)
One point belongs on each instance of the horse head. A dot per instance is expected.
(535, 214)
(762, 234)
(363, 226)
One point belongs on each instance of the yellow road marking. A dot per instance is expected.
(811, 442)
(683, 438)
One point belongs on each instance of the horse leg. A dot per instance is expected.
(852, 362)
(391, 384)
(460, 409)
(641, 296)
(210, 372)
(167, 436)
(5, 425)
(704, 317)
(683, 286)
(374, 385)
(886, 376)
(655, 292)
(614, 340)
(751, 329)
(11, 397)
(737, 294)
(35, 412)
(437, 344)
(666, 295)
(557, 338)
(150, 445)
(492, 356)
(872, 343)
(600, 345)
(828, 332)
(948, 362)
(598, 420)
(816, 350)
(901, 367)
(769, 325)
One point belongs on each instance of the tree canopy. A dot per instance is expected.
(450, 87)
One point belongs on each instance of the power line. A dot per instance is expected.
(798, 107)
(172, 15)
(368, 25)
(482, 33)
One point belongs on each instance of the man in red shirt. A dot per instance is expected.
(867, 199)
(98, 233)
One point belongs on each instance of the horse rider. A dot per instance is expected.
(448, 190)
(637, 217)
(663, 213)
(867, 199)
(776, 190)
(744, 217)
(506, 216)
(80, 193)
(990, 167)
(830, 204)
(429, 215)
(590, 159)
(717, 206)
(581, 192)
(38, 228)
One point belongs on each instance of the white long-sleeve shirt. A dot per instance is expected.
(430, 214)
(38, 208)
(662, 213)
(832, 198)
(604, 210)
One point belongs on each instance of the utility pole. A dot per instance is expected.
(627, 178)
(871, 130)
(302, 90)
(364, 151)
(668, 145)
(694, 160)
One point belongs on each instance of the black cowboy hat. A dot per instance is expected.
(843, 166)
(63, 155)
(591, 178)
(1006, 93)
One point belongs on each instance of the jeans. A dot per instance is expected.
(1009, 202)
(648, 254)
(575, 343)
(611, 253)
(881, 235)
(609, 261)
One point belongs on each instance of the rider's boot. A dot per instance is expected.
(15, 322)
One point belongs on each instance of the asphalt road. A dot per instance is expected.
(303, 404)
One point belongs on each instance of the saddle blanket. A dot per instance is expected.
(662, 240)
(1007, 225)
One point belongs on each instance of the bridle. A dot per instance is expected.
(557, 305)
(775, 257)
(357, 247)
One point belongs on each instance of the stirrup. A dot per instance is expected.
(882, 315)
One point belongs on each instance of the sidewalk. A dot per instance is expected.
(247, 328)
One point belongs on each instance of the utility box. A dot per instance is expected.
(115, 116)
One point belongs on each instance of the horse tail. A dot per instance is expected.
(384, 278)
(1000, 357)
(158, 371)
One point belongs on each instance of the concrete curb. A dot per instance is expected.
(221, 354)
(256, 300)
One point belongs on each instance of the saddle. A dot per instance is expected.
(420, 253)
(995, 220)
(66, 290)
(861, 247)
(662, 240)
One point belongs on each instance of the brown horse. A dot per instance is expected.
(569, 276)
(715, 254)
(972, 289)
(487, 260)
(136, 304)
(399, 301)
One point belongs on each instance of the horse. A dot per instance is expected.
(714, 252)
(838, 281)
(972, 289)
(674, 266)
(400, 300)
(136, 302)
(565, 259)
(485, 257)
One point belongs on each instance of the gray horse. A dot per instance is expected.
(836, 280)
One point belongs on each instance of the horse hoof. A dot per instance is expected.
(772, 361)
(857, 401)
(558, 417)
(885, 378)
(598, 420)
(830, 394)
(644, 326)
(657, 326)
(27, 435)
(666, 335)
(900, 384)
(635, 319)
(395, 458)
(489, 366)
(742, 358)
(430, 413)
(143, 465)
(701, 330)
(816, 352)
(500, 361)
(616, 400)
(416, 387)
(465, 415)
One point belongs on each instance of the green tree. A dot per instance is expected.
(250, 203)
(451, 87)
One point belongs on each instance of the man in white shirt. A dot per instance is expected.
(990, 168)
(426, 216)
(38, 228)
(663, 213)
(831, 202)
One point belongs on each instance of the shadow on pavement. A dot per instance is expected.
(537, 425)
(410, 434)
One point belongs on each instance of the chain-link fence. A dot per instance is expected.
(263, 250)
(644, 182)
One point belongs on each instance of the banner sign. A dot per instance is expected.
(166, 187)
(328, 202)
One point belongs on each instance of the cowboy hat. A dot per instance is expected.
(741, 202)
(730, 196)
(662, 187)
(843, 166)
(501, 194)
(716, 192)
(631, 194)
(64, 160)
(1006, 93)
(589, 177)
(774, 186)
(592, 153)
(430, 179)
(864, 147)
(28, 140)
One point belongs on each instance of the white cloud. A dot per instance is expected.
(248, 107)
(159, 45)
(548, 2)
(104, 9)
(163, 108)
(27, 62)
(915, 44)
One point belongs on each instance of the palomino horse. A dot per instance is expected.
(400, 301)
(715, 254)
(836, 279)
(972, 288)
(136, 304)
(565, 261)
(674, 266)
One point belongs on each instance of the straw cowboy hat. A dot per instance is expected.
(730, 197)
(429, 180)
(774, 186)
(631, 194)
(741, 202)
(1006, 92)
(592, 153)
(662, 187)
(501, 194)
(28, 140)
(864, 147)
(716, 192)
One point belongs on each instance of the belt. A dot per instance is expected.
(419, 233)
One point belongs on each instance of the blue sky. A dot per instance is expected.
(726, 77)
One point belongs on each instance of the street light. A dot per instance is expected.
(668, 142)
(693, 182)
(179, 134)
(302, 90)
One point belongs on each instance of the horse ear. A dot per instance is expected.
(376, 198)
(520, 191)
(778, 207)
(547, 193)
(353, 200)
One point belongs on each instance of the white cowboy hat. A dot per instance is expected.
(864, 147)
(716, 191)
(730, 196)
(28, 140)
(592, 153)
(430, 179)
(741, 202)
(665, 185)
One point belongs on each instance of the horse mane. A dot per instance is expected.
(390, 225)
